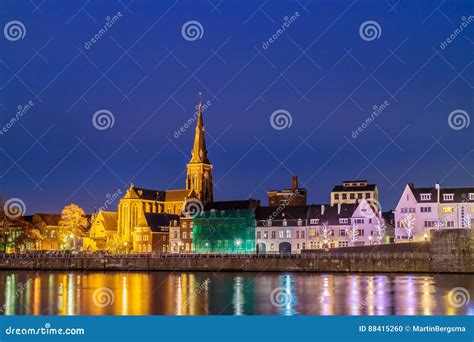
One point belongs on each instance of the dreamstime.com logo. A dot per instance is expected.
(281, 119)
(280, 297)
(458, 297)
(103, 296)
(14, 208)
(458, 119)
(46, 330)
(103, 119)
(370, 30)
(192, 30)
(14, 30)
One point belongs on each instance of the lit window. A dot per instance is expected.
(312, 232)
(185, 235)
(281, 234)
(300, 222)
(314, 221)
(471, 196)
(448, 209)
(288, 234)
(343, 220)
(285, 223)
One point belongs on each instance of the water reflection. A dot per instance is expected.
(161, 293)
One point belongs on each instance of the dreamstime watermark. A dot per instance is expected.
(103, 119)
(111, 198)
(192, 30)
(458, 119)
(458, 297)
(14, 208)
(204, 286)
(110, 21)
(21, 110)
(280, 297)
(282, 207)
(180, 131)
(193, 208)
(377, 110)
(14, 30)
(20, 289)
(287, 22)
(370, 30)
(103, 296)
(281, 119)
(465, 21)
(46, 330)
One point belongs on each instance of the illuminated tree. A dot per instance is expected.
(72, 224)
(467, 221)
(352, 233)
(379, 229)
(408, 224)
(325, 234)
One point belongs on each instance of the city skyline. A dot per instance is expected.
(54, 155)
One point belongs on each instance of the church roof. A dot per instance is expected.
(110, 219)
(156, 195)
(176, 195)
(199, 153)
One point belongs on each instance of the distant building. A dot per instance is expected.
(351, 192)
(287, 197)
(48, 226)
(226, 227)
(102, 232)
(420, 210)
(181, 236)
(151, 234)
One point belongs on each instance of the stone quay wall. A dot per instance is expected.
(450, 251)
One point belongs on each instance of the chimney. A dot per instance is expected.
(295, 183)
(322, 209)
(438, 192)
(339, 209)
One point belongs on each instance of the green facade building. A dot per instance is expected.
(225, 231)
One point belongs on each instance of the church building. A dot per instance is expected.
(137, 201)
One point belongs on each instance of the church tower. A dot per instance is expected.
(199, 177)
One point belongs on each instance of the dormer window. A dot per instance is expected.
(300, 222)
(285, 223)
(448, 197)
(471, 196)
(343, 221)
(425, 197)
(314, 221)
(269, 223)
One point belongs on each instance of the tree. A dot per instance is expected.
(408, 224)
(325, 233)
(73, 224)
(15, 232)
(379, 229)
(353, 232)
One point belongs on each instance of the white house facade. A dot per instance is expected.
(420, 210)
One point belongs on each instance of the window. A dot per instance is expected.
(343, 244)
(185, 235)
(269, 223)
(425, 209)
(164, 237)
(302, 234)
(448, 197)
(450, 224)
(191, 235)
(145, 237)
(297, 246)
(336, 196)
(358, 221)
(281, 234)
(343, 221)
(314, 221)
(425, 197)
(273, 234)
(312, 232)
(344, 196)
(285, 223)
(448, 209)
(352, 196)
(300, 222)
(265, 235)
(411, 210)
(342, 232)
(288, 234)
(138, 238)
(297, 234)
(471, 196)
(184, 225)
(367, 195)
(304, 245)
(359, 196)
(259, 235)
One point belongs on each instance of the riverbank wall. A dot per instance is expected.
(450, 251)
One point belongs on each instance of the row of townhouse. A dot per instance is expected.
(292, 229)
(421, 210)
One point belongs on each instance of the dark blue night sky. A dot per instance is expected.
(147, 75)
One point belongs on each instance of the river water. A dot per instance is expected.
(225, 293)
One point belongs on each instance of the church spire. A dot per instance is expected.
(199, 153)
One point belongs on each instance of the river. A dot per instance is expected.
(225, 293)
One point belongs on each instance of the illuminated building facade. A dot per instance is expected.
(226, 227)
(351, 192)
(432, 208)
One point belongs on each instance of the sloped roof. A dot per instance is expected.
(110, 220)
(47, 219)
(331, 214)
(232, 205)
(460, 194)
(176, 195)
(157, 221)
